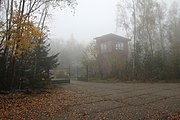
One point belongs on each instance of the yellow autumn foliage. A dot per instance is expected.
(24, 35)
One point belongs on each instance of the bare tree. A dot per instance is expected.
(126, 20)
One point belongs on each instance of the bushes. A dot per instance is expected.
(152, 68)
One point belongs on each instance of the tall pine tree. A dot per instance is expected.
(43, 62)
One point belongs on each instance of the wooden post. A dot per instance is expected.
(77, 73)
(87, 73)
(69, 71)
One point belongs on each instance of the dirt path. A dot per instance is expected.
(121, 101)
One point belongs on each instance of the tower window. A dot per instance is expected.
(103, 47)
(119, 46)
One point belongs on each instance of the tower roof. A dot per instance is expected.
(112, 36)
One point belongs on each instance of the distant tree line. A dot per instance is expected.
(24, 50)
(155, 52)
(69, 57)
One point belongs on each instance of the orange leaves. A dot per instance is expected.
(23, 34)
(37, 105)
(9, 43)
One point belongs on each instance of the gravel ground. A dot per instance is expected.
(122, 101)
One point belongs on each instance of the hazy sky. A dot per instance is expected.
(92, 18)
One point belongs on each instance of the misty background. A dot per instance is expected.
(90, 19)
(71, 30)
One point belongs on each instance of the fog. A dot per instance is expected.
(90, 19)
(97, 59)
(72, 32)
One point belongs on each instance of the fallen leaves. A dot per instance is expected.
(163, 116)
(64, 104)
(174, 116)
(19, 105)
